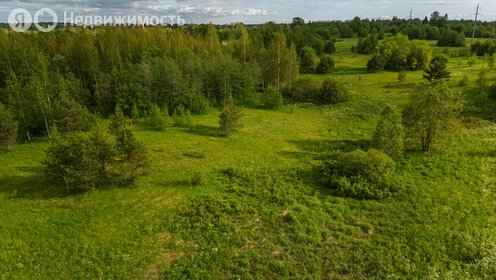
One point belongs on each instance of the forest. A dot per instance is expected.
(360, 149)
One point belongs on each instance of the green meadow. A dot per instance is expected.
(251, 206)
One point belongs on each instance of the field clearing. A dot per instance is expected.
(443, 225)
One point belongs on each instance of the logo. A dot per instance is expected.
(20, 20)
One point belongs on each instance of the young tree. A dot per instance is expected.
(272, 98)
(433, 107)
(229, 119)
(326, 65)
(308, 60)
(330, 47)
(132, 157)
(334, 91)
(69, 115)
(8, 129)
(158, 119)
(437, 69)
(71, 159)
(104, 147)
(389, 133)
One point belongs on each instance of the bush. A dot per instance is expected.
(437, 69)
(376, 64)
(229, 119)
(389, 134)
(72, 160)
(326, 65)
(182, 118)
(450, 38)
(84, 160)
(334, 91)
(70, 116)
(158, 118)
(330, 47)
(272, 98)
(304, 90)
(8, 129)
(308, 60)
(364, 175)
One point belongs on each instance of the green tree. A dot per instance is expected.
(272, 98)
(71, 160)
(389, 134)
(308, 60)
(437, 69)
(69, 115)
(132, 156)
(330, 47)
(158, 118)
(104, 146)
(432, 109)
(334, 91)
(326, 65)
(229, 119)
(8, 129)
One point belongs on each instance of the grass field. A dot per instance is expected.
(258, 210)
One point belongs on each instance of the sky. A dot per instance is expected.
(220, 11)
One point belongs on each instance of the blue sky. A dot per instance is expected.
(219, 11)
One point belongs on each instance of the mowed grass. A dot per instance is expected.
(259, 210)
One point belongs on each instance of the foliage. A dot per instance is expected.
(451, 38)
(272, 98)
(304, 89)
(389, 133)
(368, 45)
(326, 65)
(70, 116)
(308, 60)
(397, 53)
(365, 175)
(158, 119)
(8, 129)
(72, 160)
(229, 119)
(432, 109)
(182, 118)
(334, 91)
(330, 47)
(437, 69)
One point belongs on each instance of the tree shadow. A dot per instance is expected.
(204, 130)
(30, 182)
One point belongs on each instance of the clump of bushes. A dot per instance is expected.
(451, 38)
(182, 118)
(85, 160)
(363, 175)
(158, 118)
(334, 91)
(398, 53)
(272, 98)
(326, 65)
(229, 119)
(331, 91)
(8, 129)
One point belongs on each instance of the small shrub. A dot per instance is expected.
(304, 90)
(389, 134)
(334, 91)
(8, 129)
(272, 98)
(71, 159)
(364, 175)
(196, 179)
(464, 81)
(158, 118)
(229, 119)
(402, 76)
(326, 65)
(182, 118)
